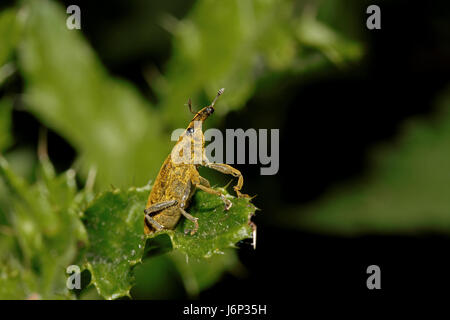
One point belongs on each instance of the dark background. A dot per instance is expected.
(407, 65)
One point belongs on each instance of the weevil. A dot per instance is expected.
(177, 181)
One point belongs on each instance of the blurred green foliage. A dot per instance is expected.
(233, 44)
(407, 190)
(10, 28)
(40, 235)
(124, 138)
(105, 119)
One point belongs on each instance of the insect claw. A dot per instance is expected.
(228, 203)
(193, 231)
(195, 228)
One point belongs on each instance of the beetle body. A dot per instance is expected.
(178, 178)
(172, 183)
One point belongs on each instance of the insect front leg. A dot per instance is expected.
(155, 208)
(227, 169)
(191, 218)
(203, 184)
(227, 202)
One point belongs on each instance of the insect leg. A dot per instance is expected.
(204, 182)
(191, 218)
(153, 222)
(155, 208)
(227, 202)
(227, 169)
(160, 206)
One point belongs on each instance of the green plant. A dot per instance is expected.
(51, 225)
(48, 223)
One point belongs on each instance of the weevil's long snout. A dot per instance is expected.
(219, 93)
(204, 113)
(210, 109)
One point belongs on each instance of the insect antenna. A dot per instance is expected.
(189, 104)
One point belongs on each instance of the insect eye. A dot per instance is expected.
(210, 110)
(190, 130)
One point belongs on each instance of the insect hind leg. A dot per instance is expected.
(191, 218)
(155, 208)
(153, 223)
(204, 182)
(226, 202)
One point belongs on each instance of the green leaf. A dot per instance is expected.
(218, 229)
(115, 225)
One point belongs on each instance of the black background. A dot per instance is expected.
(407, 65)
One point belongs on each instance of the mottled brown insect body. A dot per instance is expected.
(177, 181)
(178, 176)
